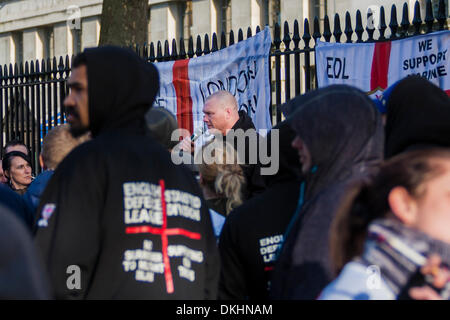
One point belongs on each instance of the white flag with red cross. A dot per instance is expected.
(372, 67)
(242, 69)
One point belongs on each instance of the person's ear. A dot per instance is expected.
(200, 178)
(6, 173)
(403, 205)
(228, 112)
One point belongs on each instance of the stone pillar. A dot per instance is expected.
(205, 18)
(33, 47)
(165, 22)
(90, 32)
(7, 49)
(246, 13)
(63, 40)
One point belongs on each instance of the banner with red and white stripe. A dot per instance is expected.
(372, 67)
(242, 69)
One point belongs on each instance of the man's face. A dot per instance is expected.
(303, 154)
(215, 116)
(76, 103)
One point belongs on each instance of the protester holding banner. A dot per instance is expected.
(418, 116)
(339, 139)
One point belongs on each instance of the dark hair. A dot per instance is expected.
(368, 200)
(79, 60)
(14, 142)
(6, 162)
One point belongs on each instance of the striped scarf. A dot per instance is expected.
(399, 252)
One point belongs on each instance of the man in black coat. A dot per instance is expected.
(118, 219)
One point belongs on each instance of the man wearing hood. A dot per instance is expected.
(254, 231)
(339, 138)
(118, 219)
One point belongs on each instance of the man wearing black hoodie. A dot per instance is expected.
(253, 232)
(118, 220)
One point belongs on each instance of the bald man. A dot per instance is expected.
(221, 113)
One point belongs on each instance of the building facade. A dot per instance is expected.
(38, 29)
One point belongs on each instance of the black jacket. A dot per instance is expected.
(117, 207)
(22, 274)
(253, 232)
(17, 205)
(254, 182)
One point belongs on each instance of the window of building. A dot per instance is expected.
(264, 13)
(186, 15)
(318, 9)
(48, 42)
(274, 13)
(435, 4)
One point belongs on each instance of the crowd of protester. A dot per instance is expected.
(359, 207)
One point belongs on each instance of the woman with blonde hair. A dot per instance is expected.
(222, 181)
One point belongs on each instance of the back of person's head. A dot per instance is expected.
(418, 113)
(369, 200)
(79, 60)
(57, 144)
(15, 145)
(162, 123)
(224, 176)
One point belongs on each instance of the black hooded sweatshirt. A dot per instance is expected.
(117, 208)
(343, 131)
(418, 116)
(253, 232)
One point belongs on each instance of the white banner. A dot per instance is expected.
(372, 67)
(242, 69)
